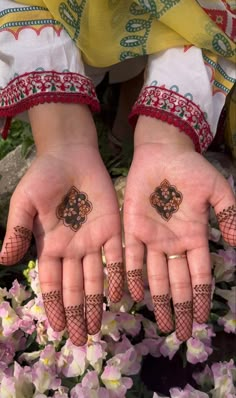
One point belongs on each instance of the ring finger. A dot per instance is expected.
(181, 291)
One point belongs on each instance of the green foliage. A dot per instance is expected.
(20, 133)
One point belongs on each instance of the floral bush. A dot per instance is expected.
(37, 362)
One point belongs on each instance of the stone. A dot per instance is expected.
(12, 168)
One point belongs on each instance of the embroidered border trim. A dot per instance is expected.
(173, 108)
(38, 87)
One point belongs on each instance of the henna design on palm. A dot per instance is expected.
(183, 319)
(166, 199)
(227, 223)
(76, 324)
(54, 309)
(162, 312)
(115, 281)
(17, 246)
(94, 310)
(135, 284)
(74, 208)
(201, 302)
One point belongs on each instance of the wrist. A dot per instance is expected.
(153, 131)
(61, 126)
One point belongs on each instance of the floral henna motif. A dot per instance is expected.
(115, 281)
(17, 246)
(183, 319)
(74, 208)
(227, 222)
(94, 310)
(162, 312)
(54, 310)
(201, 302)
(76, 324)
(166, 200)
(135, 284)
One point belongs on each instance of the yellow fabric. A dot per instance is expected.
(99, 27)
(109, 31)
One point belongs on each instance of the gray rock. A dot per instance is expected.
(12, 168)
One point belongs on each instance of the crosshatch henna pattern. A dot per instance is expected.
(166, 200)
(54, 310)
(76, 324)
(16, 246)
(162, 312)
(201, 302)
(74, 208)
(115, 281)
(183, 319)
(94, 310)
(227, 223)
(135, 284)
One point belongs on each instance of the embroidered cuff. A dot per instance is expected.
(173, 108)
(40, 87)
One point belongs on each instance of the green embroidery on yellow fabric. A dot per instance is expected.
(71, 14)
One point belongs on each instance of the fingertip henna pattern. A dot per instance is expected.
(115, 281)
(54, 310)
(201, 302)
(166, 200)
(16, 246)
(74, 208)
(135, 284)
(76, 324)
(227, 222)
(162, 312)
(183, 319)
(94, 310)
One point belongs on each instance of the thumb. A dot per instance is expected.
(224, 203)
(19, 229)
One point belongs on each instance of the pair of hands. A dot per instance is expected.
(68, 201)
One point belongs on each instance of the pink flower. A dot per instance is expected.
(129, 323)
(7, 353)
(44, 378)
(197, 351)
(18, 294)
(203, 332)
(114, 382)
(230, 296)
(110, 325)
(127, 362)
(223, 373)
(170, 345)
(204, 378)
(229, 322)
(72, 360)
(157, 347)
(187, 392)
(224, 265)
(96, 354)
(10, 321)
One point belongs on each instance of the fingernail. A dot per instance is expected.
(163, 313)
(54, 310)
(76, 324)
(135, 284)
(94, 310)
(115, 281)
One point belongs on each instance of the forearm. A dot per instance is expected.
(56, 126)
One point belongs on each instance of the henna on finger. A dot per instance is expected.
(93, 311)
(76, 324)
(184, 319)
(201, 302)
(135, 284)
(166, 199)
(74, 208)
(162, 312)
(227, 222)
(115, 281)
(17, 246)
(54, 309)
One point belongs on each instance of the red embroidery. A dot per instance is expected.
(38, 87)
(174, 109)
(37, 30)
